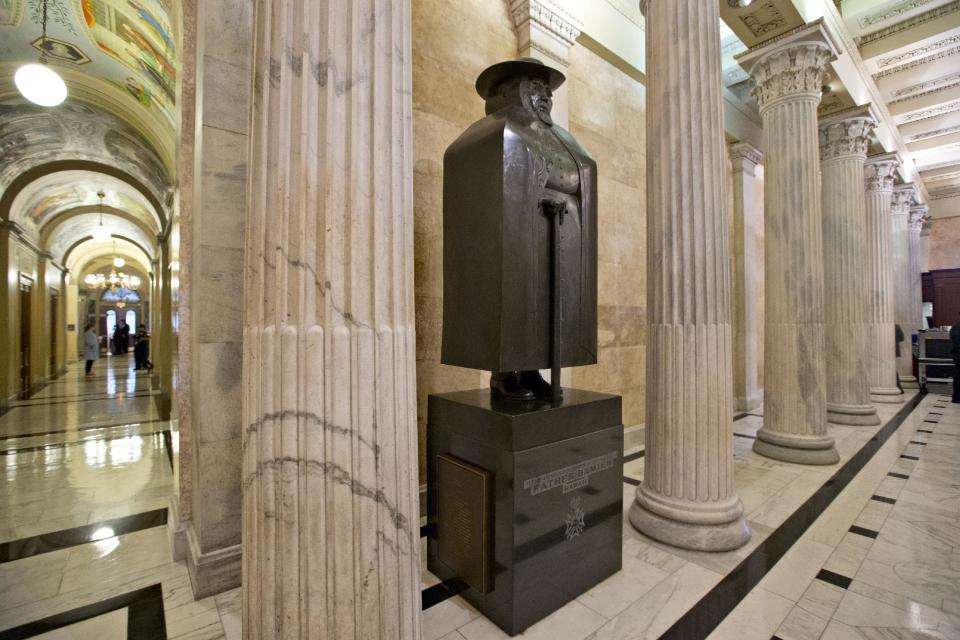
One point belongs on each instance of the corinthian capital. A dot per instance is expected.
(790, 67)
(878, 172)
(846, 134)
(918, 216)
(903, 197)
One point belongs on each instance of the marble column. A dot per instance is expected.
(330, 520)
(788, 75)
(844, 139)
(879, 330)
(747, 277)
(687, 496)
(546, 31)
(918, 215)
(904, 196)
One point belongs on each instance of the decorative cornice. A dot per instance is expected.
(923, 88)
(850, 137)
(560, 24)
(878, 174)
(892, 12)
(935, 111)
(910, 64)
(795, 71)
(953, 175)
(909, 23)
(943, 194)
(926, 135)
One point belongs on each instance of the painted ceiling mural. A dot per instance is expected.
(76, 228)
(55, 193)
(130, 44)
(31, 135)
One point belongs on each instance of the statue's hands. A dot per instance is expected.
(552, 206)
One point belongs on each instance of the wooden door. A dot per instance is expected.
(54, 330)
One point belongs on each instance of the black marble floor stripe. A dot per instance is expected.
(93, 427)
(432, 596)
(66, 538)
(145, 618)
(634, 456)
(918, 442)
(834, 578)
(933, 413)
(740, 416)
(710, 611)
(879, 498)
(906, 457)
(632, 481)
(43, 404)
(745, 435)
(902, 476)
(932, 421)
(863, 531)
(924, 431)
(60, 445)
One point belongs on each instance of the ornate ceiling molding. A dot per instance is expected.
(939, 165)
(533, 16)
(909, 23)
(926, 135)
(920, 52)
(892, 12)
(943, 194)
(925, 88)
(947, 107)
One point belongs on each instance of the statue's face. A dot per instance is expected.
(541, 99)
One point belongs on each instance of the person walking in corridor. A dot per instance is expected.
(91, 348)
(141, 348)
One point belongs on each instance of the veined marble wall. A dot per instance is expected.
(450, 48)
(942, 244)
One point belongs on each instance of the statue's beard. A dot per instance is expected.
(544, 115)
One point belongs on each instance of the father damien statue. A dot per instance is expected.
(507, 181)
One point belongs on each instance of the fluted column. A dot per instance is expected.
(330, 530)
(843, 148)
(788, 75)
(878, 328)
(687, 497)
(904, 197)
(918, 215)
(747, 277)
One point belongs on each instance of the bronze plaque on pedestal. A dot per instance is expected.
(464, 520)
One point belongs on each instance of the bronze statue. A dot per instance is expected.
(519, 238)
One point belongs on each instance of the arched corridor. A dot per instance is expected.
(283, 279)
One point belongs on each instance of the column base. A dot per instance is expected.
(886, 395)
(687, 535)
(853, 414)
(909, 382)
(797, 449)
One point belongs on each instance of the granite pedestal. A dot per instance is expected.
(555, 490)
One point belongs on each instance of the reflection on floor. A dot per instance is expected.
(83, 538)
(84, 552)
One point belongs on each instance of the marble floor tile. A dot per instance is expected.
(620, 590)
(848, 555)
(791, 576)
(821, 599)
(800, 624)
(573, 621)
(449, 615)
(757, 617)
(110, 626)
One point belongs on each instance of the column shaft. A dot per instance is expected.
(747, 278)
(687, 498)
(899, 233)
(330, 531)
(843, 149)
(878, 328)
(918, 215)
(788, 75)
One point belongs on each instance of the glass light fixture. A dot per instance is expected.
(38, 82)
(100, 232)
(118, 261)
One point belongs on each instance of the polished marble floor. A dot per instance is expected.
(87, 480)
(84, 546)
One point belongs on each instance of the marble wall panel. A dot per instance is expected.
(942, 242)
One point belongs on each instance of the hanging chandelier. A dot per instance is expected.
(38, 82)
(100, 232)
(119, 283)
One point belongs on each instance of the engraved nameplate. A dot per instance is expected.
(572, 477)
(464, 520)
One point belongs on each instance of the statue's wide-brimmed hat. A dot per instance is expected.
(494, 75)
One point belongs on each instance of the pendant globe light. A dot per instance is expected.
(38, 82)
(100, 232)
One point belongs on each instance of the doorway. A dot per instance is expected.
(54, 330)
(26, 298)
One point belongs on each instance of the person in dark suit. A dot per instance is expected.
(898, 337)
(141, 348)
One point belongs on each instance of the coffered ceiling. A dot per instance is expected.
(912, 50)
